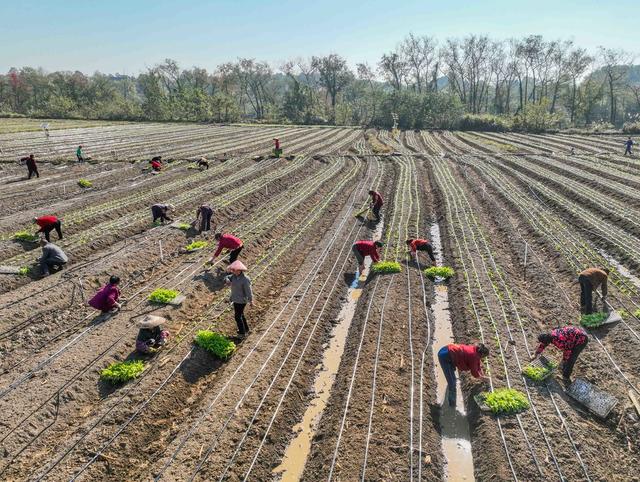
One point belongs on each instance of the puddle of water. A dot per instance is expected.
(454, 426)
(295, 457)
(623, 270)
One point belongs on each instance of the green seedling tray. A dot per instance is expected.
(614, 317)
(543, 362)
(597, 401)
(479, 399)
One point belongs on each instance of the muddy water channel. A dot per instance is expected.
(454, 427)
(297, 452)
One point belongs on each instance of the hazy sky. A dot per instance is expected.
(127, 36)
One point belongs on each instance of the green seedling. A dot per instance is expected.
(386, 267)
(593, 320)
(537, 374)
(25, 236)
(24, 271)
(84, 183)
(504, 401)
(215, 343)
(196, 245)
(162, 295)
(184, 226)
(637, 313)
(434, 272)
(121, 372)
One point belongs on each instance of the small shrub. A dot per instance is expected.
(505, 401)
(386, 267)
(485, 122)
(631, 127)
(196, 245)
(215, 343)
(434, 272)
(593, 320)
(162, 295)
(121, 372)
(25, 236)
(84, 183)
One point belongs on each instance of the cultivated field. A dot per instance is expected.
(571, 200)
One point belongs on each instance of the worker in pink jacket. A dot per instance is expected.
(106, 299)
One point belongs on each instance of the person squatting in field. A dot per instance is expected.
(203, 215)
(53, 258)
(202, 162)
(241, 294)
(106, 298)
(30, 161)
(156, 163)
(376, 203)
(570, 339)
(590, 279)
(417, 244)
(48, 224)
(464, 358)
(363, 248)
(151, 336)
(159, 212)
(628, 145)
(229, 242)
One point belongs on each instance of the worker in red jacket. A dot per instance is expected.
(31, 165)
(106, 299)
(570, 339)
(228, 241)
(418, 244)
(361, 249)
(156, 163)
(464, 358)
(48, 224)
(376, 203)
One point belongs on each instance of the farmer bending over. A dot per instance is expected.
(464, 358)
(53, 258)
(570, 339)
(159, 211)
(590, 279)
(229, 242)
(376, 203)
(204, 214)
(48, 224)
(361, 249)
(418, 244)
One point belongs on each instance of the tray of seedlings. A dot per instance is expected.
(540, 369)
(502, 401)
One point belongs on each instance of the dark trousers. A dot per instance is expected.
(233, 255)
(376, 212)
(46, 267)
(627, 150)
(241, 321)
(357, 254)
(47, 230)
(429, 249)
(449, 370)
(586, 295)
(160, 214)
(32, 171)
(205, 222)
(567, 367)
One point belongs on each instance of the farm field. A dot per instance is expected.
(336, 379)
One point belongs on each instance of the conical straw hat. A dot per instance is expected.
(239, 265)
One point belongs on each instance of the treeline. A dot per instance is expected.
(473, 82)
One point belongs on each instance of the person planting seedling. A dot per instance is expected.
(363, 248)
(376, 204)
(203, 215)
(151, 336)
(203, 163)
(418, 244)
(241, 294)
(464, 358)
(159, 212)
(590, 279)
(570, 339)
(229, 242)
(277, 150)
(156, 163)
(48, 224)
(53, 258)
(106, 299)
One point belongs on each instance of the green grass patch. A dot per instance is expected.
(593, 320)
(196, 245)
(504, 401)
(121, 372)
(537, 374)
(162, 295)
(84, 183)
(215, 343)
(386, 267)
(25, 236)
(434, 272)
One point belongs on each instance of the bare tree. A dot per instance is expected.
(615, 64)
(419, 54)
(578, 61)
(334, 75)
(393, 67)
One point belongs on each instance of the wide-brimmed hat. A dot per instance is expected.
(151, 321)
(239, 265)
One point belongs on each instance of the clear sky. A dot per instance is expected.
(130, 35)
